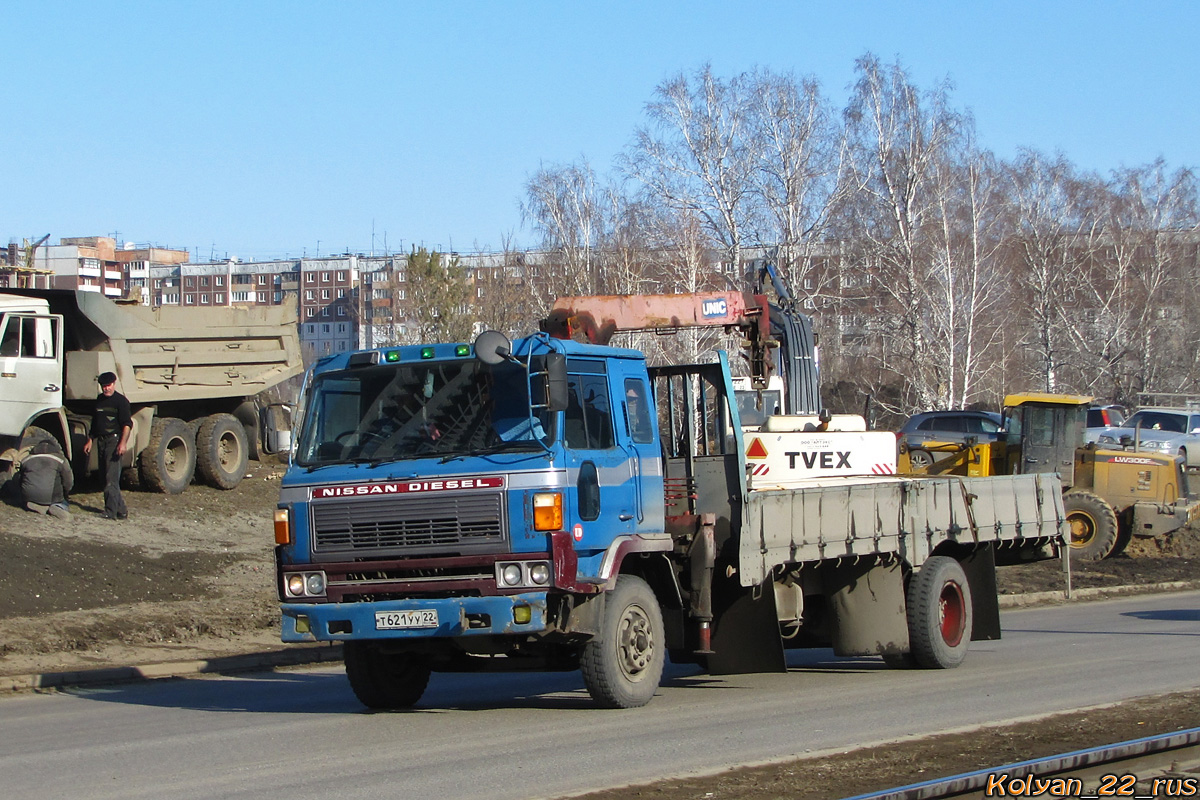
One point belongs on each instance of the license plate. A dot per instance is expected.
(402, 620)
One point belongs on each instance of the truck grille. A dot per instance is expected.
(403, 525)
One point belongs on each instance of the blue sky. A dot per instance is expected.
(265, 129)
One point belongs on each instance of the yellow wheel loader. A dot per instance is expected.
(1110, 496)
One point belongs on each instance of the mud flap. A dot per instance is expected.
(867, 603)
(745, 635)
(980, 567)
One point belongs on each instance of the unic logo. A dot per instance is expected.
(714, 308)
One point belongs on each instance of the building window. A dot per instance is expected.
(219, 280)
(278, 297)
(310, 312)
(219, 298)
(203, 299)
(341, 327)
(172, 299)
(341, 311)
(204, 280)
(241, 297)
(324, 294)
(310, 277)
(262, 280)
(311, 329)
(325, 311)
(262, 297)
(189, 283)
(341, 293)
(324, 277)
(308, 294)
(325, 328)
(341, 277)
(399, 294)
(189, 299)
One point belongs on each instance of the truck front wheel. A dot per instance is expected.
(623, 665)
(385, 680)
(939, 614)
(169, 460)
(1093, 526)
(222, 451)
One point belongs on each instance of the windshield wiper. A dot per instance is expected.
(499, 447)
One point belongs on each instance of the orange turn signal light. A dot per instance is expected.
(283, 526)
(547, 511)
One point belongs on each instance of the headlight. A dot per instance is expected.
(522, 574)
(511, 575)
(304, 584)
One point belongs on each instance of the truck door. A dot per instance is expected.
(601, 489)
(30, 368)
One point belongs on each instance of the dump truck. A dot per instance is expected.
(1111, 495)
(551, 504)
(194, 377)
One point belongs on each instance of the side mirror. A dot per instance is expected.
(492, 347)
(557, 395)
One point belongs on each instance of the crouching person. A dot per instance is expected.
(46, 480)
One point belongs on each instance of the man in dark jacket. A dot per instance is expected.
(46, 480)
(111, 426)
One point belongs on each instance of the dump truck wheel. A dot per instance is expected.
(939, 614)
(169, 460)
(385, 680)
(623, 665)
(222, 452)
(1093, 526)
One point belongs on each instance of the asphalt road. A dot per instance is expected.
(302, 735)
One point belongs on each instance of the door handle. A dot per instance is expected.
(50, 388)
(624, 517)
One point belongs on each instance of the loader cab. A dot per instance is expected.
(1044, 431)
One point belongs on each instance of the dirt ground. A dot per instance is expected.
(190, 576)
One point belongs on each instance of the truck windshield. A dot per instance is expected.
(432, 409)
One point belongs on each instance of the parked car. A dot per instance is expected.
(922, 432)
(1105, 416)
(1159, 430)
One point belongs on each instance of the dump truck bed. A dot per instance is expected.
(170, 352)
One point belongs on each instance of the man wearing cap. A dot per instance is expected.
(111, 425)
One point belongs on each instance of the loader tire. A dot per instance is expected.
(1093, 525)
(222, 452)
(385, 680)
(622, 666)
(939, 614)
(169, 461)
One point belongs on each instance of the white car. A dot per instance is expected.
(1159, 430)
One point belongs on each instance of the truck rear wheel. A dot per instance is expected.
(1093, 526)
(622, 666)
(222, 452)
(939, 614)
(385, 680)
(169, 460)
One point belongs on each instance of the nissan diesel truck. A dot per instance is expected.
(549, 504)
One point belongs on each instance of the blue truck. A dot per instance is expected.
(549, 504)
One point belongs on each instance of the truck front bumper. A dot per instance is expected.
(455, 616)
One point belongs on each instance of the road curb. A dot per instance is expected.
(1094, 593)
(304, 654)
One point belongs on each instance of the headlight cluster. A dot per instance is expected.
(522, 574)
(304, 584)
